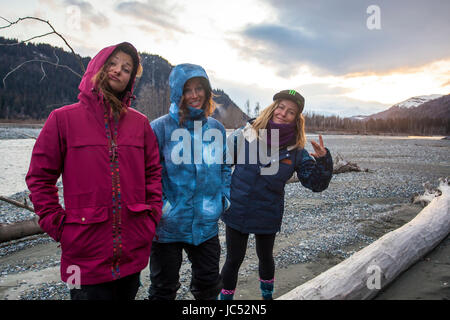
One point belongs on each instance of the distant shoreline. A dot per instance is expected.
(384, 134)
(39, 124)
(21, 123)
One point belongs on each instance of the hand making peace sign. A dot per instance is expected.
(319, 149)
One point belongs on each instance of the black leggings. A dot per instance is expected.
(236, 248)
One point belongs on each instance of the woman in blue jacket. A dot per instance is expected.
(258, 181)
(196, 187)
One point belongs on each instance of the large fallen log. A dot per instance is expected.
(17, 230)
(368, 271)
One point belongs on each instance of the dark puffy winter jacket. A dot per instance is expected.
(257, 200)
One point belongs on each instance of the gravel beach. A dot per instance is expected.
(319, 229)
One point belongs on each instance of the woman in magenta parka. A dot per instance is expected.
(108, 157)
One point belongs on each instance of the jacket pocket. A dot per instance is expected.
(86, 215)
(132, 140)
(139, 207)
(142, 208)
(85, 233)
(140, 227)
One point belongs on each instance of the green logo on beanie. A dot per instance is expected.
(292, 92)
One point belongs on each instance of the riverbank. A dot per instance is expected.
(12, 125)
(21, 124)
(319, 229)
(32, 272)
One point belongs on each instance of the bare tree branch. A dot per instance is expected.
(6, 21)
(56, 56)
(49, 33)
(16, 203)
(43, 72)
(42, 61)
(23, 41)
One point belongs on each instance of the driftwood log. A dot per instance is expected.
(17, 230)
(340, 166)
(429, 194)
(371, 269)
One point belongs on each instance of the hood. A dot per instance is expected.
(86, 86)
(178, 77)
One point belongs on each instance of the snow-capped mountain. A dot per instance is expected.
(417, 101)
(429, 106)
(358, 117)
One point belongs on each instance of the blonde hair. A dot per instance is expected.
(263, 119)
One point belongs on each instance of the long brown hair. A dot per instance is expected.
(100, 79)
(208, 107)
(263, 119)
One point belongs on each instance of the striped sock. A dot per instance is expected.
(266, 287)
(227, 294)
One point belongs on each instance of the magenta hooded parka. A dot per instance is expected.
(112, 195)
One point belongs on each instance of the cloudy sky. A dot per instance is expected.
(346, 57)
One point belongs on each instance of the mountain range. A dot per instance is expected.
(36, 88)
(433, 106)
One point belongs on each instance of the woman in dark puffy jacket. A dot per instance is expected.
(258, 180)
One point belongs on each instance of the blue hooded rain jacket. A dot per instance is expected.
(195, 176)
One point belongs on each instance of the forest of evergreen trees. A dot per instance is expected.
(26, 94)
(419, 126)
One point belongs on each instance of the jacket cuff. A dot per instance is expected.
(326, 161)
(53, 228)
(325, 158)
(155, 214)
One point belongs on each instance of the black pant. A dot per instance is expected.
(121, 289)
(236, 248)
(165, 264)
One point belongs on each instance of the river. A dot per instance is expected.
(14, 162)
(15, 153)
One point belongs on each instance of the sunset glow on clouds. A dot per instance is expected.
(251, 49)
